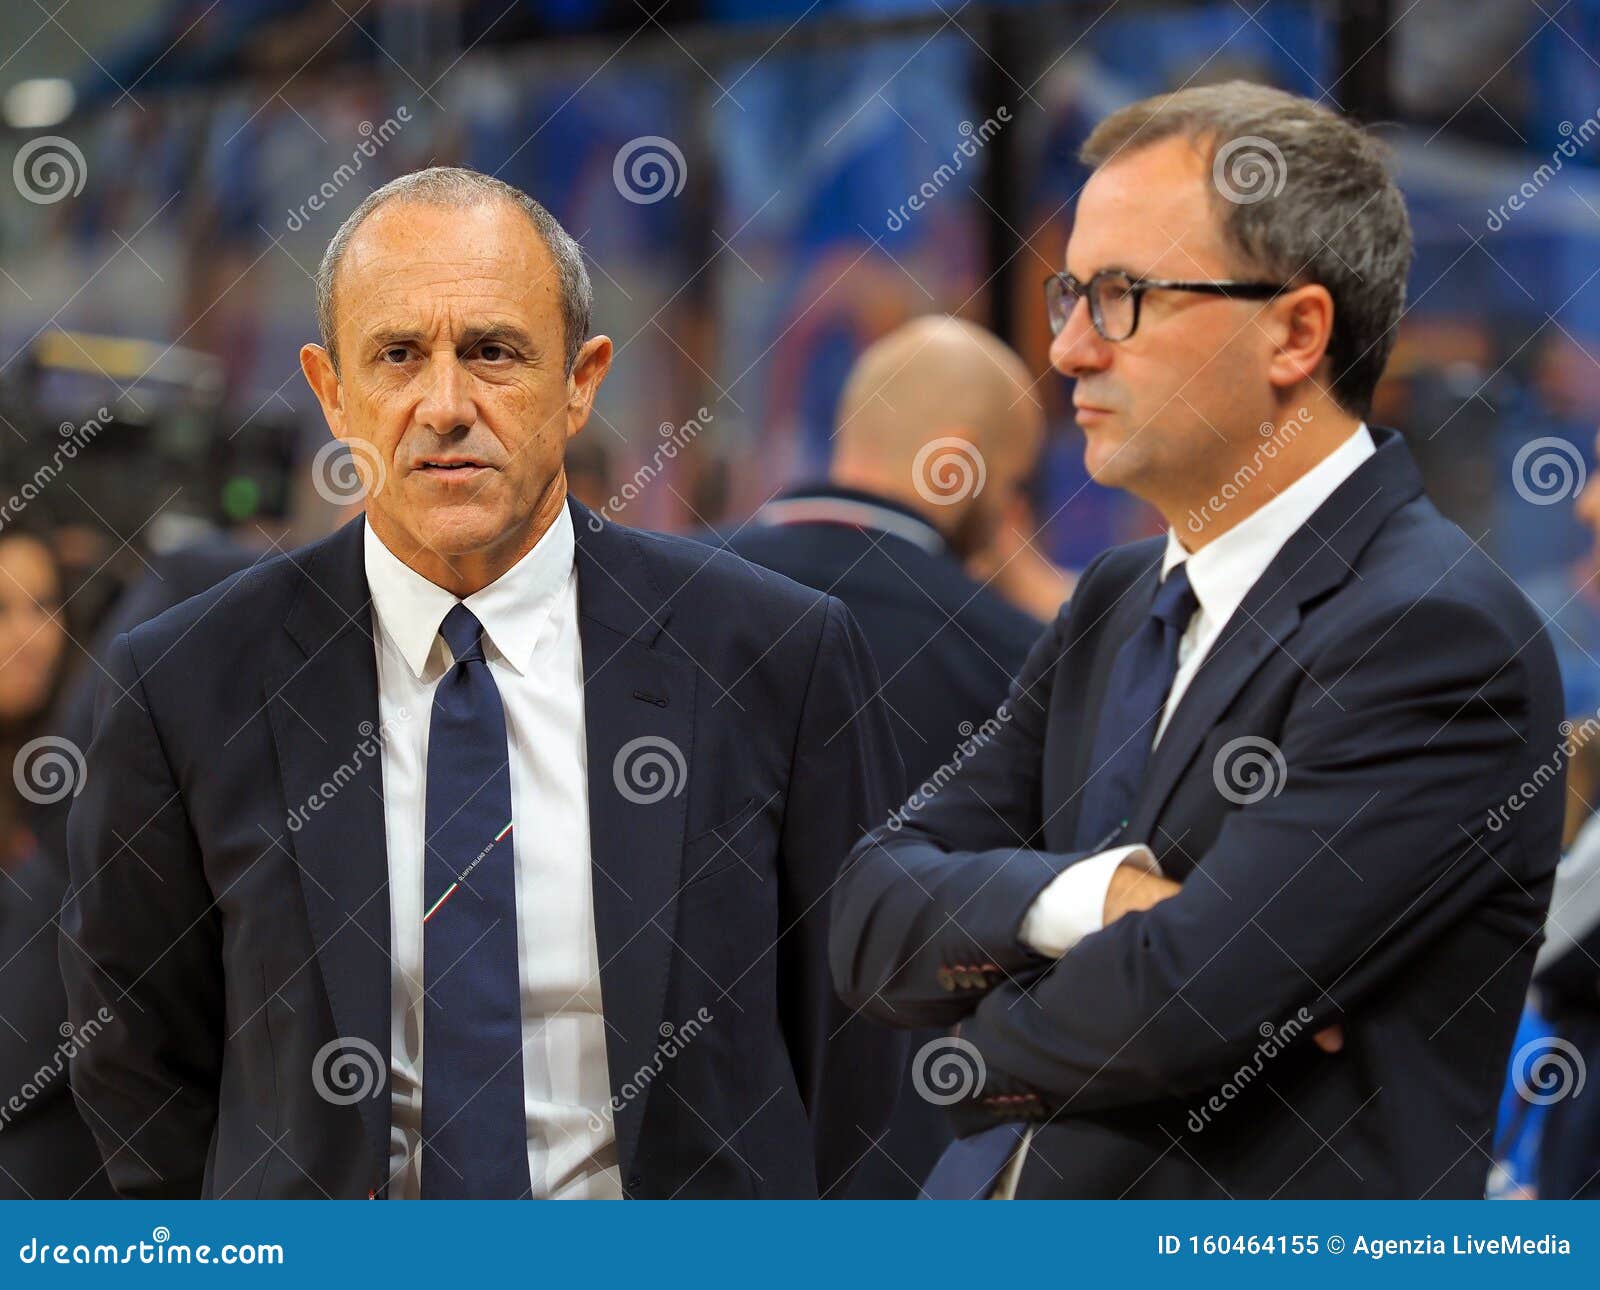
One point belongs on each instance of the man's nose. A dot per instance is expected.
(446, 404)
(1079, 349)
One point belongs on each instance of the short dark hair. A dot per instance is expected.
(459, 187)
(1304, 195)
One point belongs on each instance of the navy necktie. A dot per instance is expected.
(474, 1116)
(1141, 677)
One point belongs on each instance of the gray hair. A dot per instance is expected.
(458, 187)
(1318, 205)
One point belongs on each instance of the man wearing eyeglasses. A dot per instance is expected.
(1244, 897)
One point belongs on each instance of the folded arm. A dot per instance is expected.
(1377, 842)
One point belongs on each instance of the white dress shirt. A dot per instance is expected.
(1221, 574)
(530, 629)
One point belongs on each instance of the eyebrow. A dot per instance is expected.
(472, 335)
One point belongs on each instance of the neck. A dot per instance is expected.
(894, 487)
(1236, 488)
(463, 573)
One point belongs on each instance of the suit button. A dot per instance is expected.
(947, 980)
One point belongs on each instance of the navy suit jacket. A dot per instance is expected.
(1396, 689)
(947, 648)
(245, 962)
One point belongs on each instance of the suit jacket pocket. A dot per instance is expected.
(732, 842)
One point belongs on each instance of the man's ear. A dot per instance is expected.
(317, 364)
(588, 371)
(1302, 328)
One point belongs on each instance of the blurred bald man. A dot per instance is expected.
(936, 432)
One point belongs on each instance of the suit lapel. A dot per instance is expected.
(1317, 558)
(323, 706)
(639, 718)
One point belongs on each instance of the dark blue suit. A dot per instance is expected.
(947, 648)
(240, 956)
(1408, 688)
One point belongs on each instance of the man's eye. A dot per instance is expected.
(396, 354)
(493, 352)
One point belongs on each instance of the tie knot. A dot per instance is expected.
(1175, 600)
(463, 633)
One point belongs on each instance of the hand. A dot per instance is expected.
(1133, 888)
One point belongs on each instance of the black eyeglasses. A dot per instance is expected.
(1114, 298)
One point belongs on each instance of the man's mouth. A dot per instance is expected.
(450, 465)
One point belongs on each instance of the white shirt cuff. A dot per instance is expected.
(1074, 904)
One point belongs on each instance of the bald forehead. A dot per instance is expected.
(407, 240)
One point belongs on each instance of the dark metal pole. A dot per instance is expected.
(1365, 46)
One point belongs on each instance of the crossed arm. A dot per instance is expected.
(1396, 746)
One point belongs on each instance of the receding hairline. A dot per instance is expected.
(457, 188)
(390, 205)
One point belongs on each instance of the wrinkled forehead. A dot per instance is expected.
(1153, 211)
(417, 262)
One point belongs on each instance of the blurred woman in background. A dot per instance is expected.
(33, 644)
(45, 1150)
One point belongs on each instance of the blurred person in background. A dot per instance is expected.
(588, 467)
(1569, 599)
(1558, 1073)
(33, 656)
(935, 431)
(1014, 565)
(1220, 911)
(1550, 1122)
(45, 1150)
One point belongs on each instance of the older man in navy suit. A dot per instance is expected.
(477, 850)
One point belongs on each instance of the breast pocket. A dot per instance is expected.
(735, 841)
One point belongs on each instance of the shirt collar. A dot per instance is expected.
(513, 608)
(834, 504)
(1222, 572)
